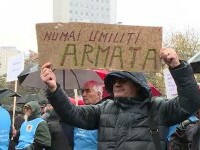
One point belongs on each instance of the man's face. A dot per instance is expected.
(124, 88)
(90, 96)
(27, 111)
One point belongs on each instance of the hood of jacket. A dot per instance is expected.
(136, 77)
(35, 107)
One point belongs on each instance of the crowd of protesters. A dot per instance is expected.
(129, 119)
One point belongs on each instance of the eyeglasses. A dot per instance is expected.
(120, 80)
(26, 108)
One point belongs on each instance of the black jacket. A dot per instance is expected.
(60, 139)
(123, 122)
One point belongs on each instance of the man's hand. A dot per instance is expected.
(170, 57)
(14, 132)
(48, 77)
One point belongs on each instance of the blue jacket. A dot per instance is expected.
(85, 139)
(5, 124)
(27, 133)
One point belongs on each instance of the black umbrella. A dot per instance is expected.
(32, 97)
(31, 68)
(4, 93)
(195, 63)
(67, 78)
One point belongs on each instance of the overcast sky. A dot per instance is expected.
(18, 17)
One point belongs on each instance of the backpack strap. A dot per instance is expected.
(153, 129)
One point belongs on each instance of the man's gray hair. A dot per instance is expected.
(98, 87)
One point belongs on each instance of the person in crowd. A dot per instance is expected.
(19, 119)
(87, 139)
(185, 135)
(5, 119)
(34, 132)
(43, 104)
(59, 137)
(132, 119)
(5, 126)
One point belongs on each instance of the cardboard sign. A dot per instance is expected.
(90, 45)
(15, 66)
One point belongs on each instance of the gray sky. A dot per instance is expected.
(18, 17)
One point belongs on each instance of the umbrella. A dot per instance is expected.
(154, 90)
(4, 93)
(73, 101)
(195, 63)
(32, 97)
(67, 78)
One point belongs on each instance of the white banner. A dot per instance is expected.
(171, 89)
(15, 66)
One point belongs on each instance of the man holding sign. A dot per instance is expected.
(132, 119)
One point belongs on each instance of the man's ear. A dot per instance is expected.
(99, 94)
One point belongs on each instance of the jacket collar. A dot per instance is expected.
(128, 102)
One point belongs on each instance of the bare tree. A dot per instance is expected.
(187, 43)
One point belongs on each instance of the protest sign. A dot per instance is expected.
(171, 88)
(15, 66)
(91, 45)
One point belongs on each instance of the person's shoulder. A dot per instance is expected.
(105, 103)
(107, 100)
(42, 123)
(155, 101)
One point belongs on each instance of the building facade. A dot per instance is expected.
(96, 11)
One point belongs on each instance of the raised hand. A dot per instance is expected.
(170, 57)
(48, 77)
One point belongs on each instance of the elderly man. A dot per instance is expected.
(131, 120)
(87, 139)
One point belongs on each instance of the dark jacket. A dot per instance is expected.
(123, 122)
(59, 140)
